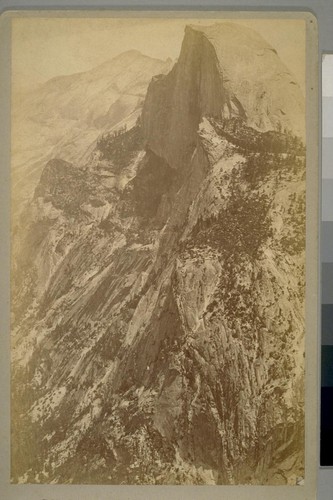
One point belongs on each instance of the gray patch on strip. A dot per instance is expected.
(326, 283)
(327, 200)
(327, 158)
(327, 241)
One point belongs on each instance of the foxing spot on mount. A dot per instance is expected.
(158, 252)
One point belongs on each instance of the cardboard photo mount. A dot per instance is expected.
(299, 492)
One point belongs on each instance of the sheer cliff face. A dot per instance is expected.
(158, 294)
(174, 104)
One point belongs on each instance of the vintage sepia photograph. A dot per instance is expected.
(158, 228)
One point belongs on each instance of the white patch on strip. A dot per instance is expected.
(327, 75)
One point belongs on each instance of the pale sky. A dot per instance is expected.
(46, 47)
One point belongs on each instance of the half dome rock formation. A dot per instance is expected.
(223, 71)
(158, 294)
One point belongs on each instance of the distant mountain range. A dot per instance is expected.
(65, 115)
